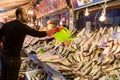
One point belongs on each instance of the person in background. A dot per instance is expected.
(14, 33)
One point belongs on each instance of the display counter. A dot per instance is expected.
(93, 56)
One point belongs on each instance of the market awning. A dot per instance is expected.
(8, 7)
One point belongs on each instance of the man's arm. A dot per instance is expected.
(30, 31)
(35, 33)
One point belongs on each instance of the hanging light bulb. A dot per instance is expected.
(86, 12)
(30, 12)
(39, 23)
(37, 5)
(102, 17)
(61, 23)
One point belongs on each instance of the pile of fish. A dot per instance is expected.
(93, 56)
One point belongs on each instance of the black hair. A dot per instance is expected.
(19, 11)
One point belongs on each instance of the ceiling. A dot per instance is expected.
(8, 7)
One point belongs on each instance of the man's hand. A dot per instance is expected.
(54, 30)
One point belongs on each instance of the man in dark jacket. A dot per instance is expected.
(14, 33)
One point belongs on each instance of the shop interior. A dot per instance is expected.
(88, 48)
